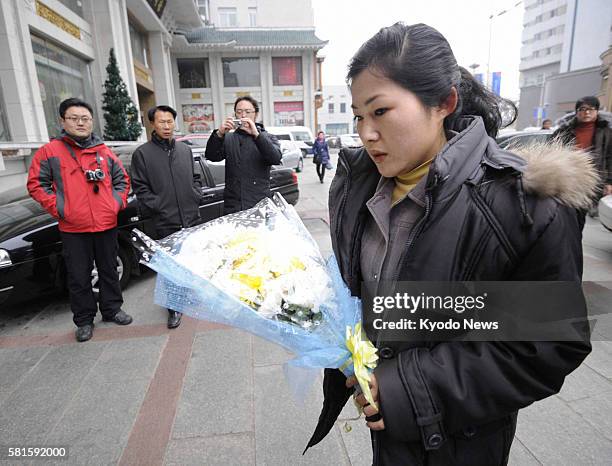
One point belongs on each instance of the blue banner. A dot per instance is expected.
(496, 82)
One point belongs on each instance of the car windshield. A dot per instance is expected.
(301, 136)
(283, 137)
(19, 216)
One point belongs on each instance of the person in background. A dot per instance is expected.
(164, 181)
(249, 152)
(547, 124)
(431, 197)
(589, 132)
(81, 183)
(320, 152)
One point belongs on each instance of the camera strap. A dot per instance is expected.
(96, 188)
(73, 155)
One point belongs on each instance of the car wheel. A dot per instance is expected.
(124, 269)
(300, 165)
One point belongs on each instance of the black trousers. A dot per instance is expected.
(321, 170)
(162, 233)
(80, 250)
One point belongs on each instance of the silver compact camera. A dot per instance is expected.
(93, 176)
(237, 123)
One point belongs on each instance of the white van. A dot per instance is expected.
(300, 135)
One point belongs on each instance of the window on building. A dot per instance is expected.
(228, 17)
(203, 10)
(330, 108)
(76, 6)
(4, 129)
(252, 17)
(138, 40)
(289, 114)
(335, 129)
(60, 75)
(241, 72)
(342, 107)
(287, 71)
(193, 72)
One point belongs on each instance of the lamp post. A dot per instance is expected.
(491, 16)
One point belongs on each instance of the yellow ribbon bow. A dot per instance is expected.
(363, 356)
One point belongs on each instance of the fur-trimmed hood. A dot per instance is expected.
(559, 171)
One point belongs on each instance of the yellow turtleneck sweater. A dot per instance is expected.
(406, 182)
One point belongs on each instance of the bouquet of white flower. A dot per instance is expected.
(260, 270)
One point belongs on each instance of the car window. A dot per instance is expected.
(283, 137)
(217, 170)
(524, 140)
(198, 173)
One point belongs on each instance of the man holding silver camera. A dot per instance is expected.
(80, 182)
(249, 151)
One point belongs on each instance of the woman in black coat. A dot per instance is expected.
(320, 152)
(249, 152)
(431, 197)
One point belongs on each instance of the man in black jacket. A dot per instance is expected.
(248, 152)
(589, 132)
(163, 180)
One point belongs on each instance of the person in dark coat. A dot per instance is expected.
(431, 197)
(320, 155)
(589, 132)
(249, 152)
(164, 181)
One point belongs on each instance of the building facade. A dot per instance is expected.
(57, 49)
(194, 55)
(560, 37)
(248, 47)
(335, 115)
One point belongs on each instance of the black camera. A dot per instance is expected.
(94, 176)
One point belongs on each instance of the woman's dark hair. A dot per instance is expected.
(73, 102)
(160, 108)
(589, 100)
(248, 98)
(420, 59)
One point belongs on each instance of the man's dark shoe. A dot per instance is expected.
(121, 318)
(174, 319)
(84, 333)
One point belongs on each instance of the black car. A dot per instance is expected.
(31, 262)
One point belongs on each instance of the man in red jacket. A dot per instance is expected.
(79, 181)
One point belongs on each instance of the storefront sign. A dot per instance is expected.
(143, 76)
(288, 113)
(198, 118)
(44, 11)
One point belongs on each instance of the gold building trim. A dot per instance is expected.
(47, 13)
